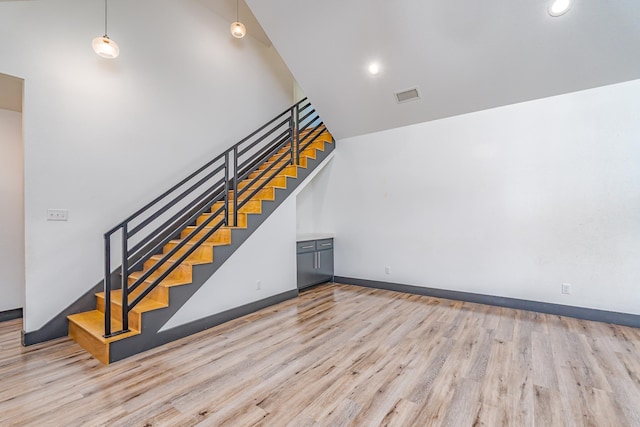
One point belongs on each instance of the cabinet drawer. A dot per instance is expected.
(308, 246)
(324, 244)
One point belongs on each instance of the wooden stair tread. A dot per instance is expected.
(191, 243)
(93, 323)
(174, 258)
(167, 281)
(147, 304)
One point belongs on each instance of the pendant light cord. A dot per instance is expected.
(237, 15)
(105, 18)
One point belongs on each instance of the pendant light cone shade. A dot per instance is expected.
(105, 47)
(238, 30)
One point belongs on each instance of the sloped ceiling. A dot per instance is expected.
(463, 55)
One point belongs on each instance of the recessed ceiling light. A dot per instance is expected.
(374, 68)
(559, 7)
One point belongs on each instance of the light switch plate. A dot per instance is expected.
(57, 215)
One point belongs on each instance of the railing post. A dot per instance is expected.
(107, 285)
(125, 278)
(297, 126)
(291, 131)
(235, 186)
(226, 188)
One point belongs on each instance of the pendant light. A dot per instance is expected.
(104, 46)
(559, 7)
(238, 30)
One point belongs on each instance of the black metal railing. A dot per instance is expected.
(173, 214)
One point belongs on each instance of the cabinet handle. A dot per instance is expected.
(306, 247)
(315, 260)
(318, 260)
(326, 244)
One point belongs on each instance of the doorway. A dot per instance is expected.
(12, 253)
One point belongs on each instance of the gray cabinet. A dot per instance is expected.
(315, 262)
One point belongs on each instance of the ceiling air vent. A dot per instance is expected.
(407, 95)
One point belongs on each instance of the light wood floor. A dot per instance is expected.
(341, 355)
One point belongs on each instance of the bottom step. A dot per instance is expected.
(87, 329)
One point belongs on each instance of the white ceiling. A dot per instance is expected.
(463, 55)
(10, 93)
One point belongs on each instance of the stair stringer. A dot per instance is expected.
(151, 335)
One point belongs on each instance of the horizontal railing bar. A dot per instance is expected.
(309, 123)
(309, 133)
(172, 252)
(261, 128)
(198, 196)
(171, 220)
(303, 118)
(277, 141)
(264, 172)
(165, 194)
(175, 265)
(259, 176)
(180, 225)
(167, 256)
(263, 137)
(274, 150)
(304, 147)
(205, 166)
(305, 107)
(175, 201)
(260, 187)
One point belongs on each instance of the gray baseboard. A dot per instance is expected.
(58, 327)
(624, 319)
(10, 314)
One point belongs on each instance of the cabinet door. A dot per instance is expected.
(325, 265)
(307, 273)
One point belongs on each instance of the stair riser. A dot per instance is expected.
(278, 182)
(222, 236)
(203, 253)
(309, 153)
(182, 271)
(90, 343)
(267, 193)
(166, 282)
(242, 219)
(252, 206)
(303, 162)
(135, 319)
(318, 144)
(290, 171)
(277, 166)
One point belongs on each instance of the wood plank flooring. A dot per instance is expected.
(341, 355)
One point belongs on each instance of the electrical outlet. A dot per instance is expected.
(57, 215)
(387, 270)
(258, 285)
(566, 288)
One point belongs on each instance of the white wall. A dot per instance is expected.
(11, 211)
(305, 205)
(267, 256)
(103, 137)
(512, 201)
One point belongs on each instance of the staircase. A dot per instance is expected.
(170, 247)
